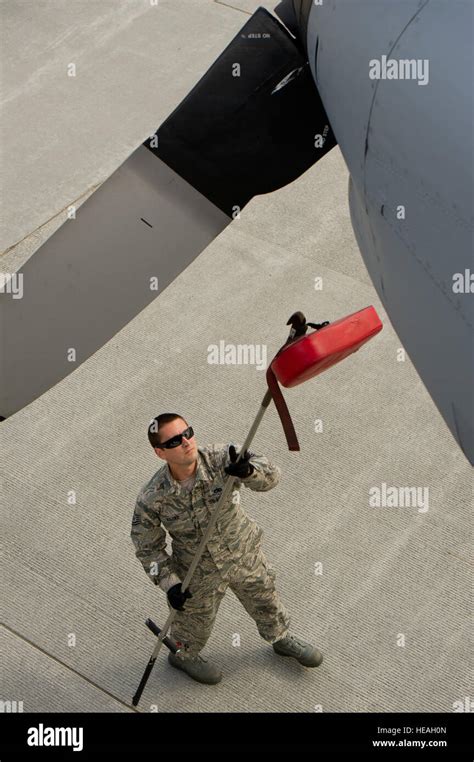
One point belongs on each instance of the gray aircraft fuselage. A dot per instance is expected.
(396, 81)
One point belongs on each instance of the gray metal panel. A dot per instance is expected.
(93, 275)
(418, 154)
(348, 34)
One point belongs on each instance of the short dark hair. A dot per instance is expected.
(157, 423)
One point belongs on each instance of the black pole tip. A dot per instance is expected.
(297, 319)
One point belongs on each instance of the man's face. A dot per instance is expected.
(184, 454)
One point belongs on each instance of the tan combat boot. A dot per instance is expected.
(305, 653)
(196, 667)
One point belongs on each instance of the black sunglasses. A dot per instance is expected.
(177, 439)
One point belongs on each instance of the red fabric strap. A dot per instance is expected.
(282, 409)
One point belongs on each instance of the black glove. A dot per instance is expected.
(243, 468)
(177, 598)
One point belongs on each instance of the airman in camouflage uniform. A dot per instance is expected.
(233, 557)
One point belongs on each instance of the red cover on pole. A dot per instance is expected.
(315, 352)
(311, 354)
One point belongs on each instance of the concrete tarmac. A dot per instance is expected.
(382, 591)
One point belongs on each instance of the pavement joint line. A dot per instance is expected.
(227, 5)
(50, 219)
(71, 669)
(284, 248)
